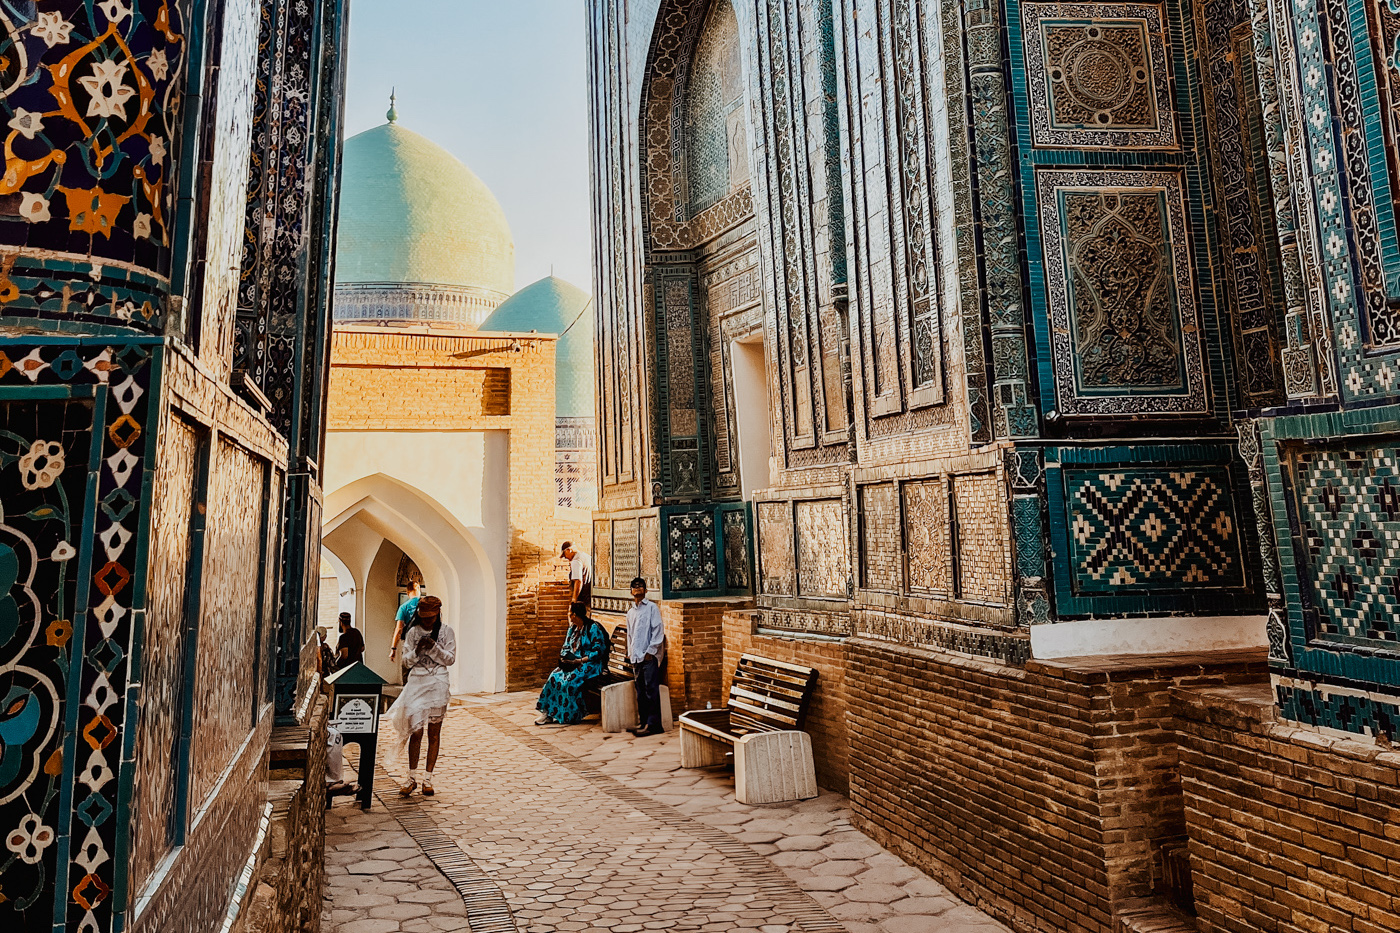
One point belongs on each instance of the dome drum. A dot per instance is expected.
(466, 306)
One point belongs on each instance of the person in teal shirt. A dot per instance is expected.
(405, 617)
(582, 660)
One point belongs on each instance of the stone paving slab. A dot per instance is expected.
(587, 831)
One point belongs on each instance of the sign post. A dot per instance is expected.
(355, 714)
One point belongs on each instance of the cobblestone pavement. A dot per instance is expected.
(586, 831)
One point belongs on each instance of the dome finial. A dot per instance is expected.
(393, 114)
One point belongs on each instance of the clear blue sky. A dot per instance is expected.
(501, 85)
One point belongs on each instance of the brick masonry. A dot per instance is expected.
(1291, 830)
(404, 379)
(826, 713)
(1044, 795)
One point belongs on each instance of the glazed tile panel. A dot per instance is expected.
(1123, 318)
(91, 94)
(160, 715)
(45, 449)
(225, 688)
(1102, 70)
(1149, 528)
(1348, 503)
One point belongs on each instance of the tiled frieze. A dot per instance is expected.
(90, 234)
(1339, 708)
(1123, 319)
(1101, 73)
(777, 569)
(823, 561)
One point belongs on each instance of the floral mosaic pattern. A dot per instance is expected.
(96, 627)
(1102, 71)
(91, 94)
(44, 453)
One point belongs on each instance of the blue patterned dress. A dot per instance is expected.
(562, 696)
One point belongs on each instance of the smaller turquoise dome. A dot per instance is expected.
(553, 306)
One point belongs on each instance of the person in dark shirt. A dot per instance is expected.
(351, 646)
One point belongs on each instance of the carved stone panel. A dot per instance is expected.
(778, 576)
(982, 530)
(649, 535)
(928, 545)
(626, 558)
(880, 537)
(602, 554)
(1124, 325)
(823, 564)
(734, 526)
(1098, 76)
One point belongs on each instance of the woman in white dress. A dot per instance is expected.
(429, 648)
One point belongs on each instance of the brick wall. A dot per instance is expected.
(826, 713)
(695, 650)
(1044, 795)
(1290, 830)
(405, 379)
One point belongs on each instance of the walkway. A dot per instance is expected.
(554, 829)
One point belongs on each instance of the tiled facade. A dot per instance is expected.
(159, 440)
(1073, 322)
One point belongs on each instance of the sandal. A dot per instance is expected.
(408, 789)
(428, 787)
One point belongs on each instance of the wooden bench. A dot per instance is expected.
(762, 725)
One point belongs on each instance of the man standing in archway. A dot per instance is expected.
(580, 574)
(405, 617)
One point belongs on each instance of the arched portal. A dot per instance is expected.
(375, 519)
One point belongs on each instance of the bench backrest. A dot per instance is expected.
(768, 695)
(618, 665)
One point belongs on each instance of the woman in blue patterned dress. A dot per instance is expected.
(583, 658)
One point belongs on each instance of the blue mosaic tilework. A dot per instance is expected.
(707, 551)
(1346, 712)
(1349, 511)
(1149, 527)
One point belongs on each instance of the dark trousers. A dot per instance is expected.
(648, 681)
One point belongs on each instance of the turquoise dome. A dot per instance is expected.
(553, 306)
(412, 214)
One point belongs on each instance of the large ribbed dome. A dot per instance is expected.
(553, 306)
(411, 214)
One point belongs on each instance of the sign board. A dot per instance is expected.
(355, 715)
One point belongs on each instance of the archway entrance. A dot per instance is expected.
(378, 526)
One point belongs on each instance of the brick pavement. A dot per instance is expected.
(587, 831)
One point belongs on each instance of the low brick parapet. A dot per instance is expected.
(1290, 829)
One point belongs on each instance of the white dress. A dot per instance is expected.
(428, 690)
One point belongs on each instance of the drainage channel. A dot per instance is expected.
(487, 909)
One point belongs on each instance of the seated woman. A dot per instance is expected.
(582, 660)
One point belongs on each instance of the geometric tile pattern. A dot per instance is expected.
(1343, 710)
(1123, 319)
(1098, 76)
(1145, 528)
(709, 551)
(1349, 510)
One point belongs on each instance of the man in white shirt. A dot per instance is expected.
(580, 574)
(646, 649)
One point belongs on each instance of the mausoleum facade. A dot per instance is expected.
(1027, 368)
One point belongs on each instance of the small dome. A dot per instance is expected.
(553, 306)
(412, 214)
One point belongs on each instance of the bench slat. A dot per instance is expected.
(776, 676)
(767, 701)
(766, 688)
(769, 662)
(777, 719)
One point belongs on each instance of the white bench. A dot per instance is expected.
(761, 726)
